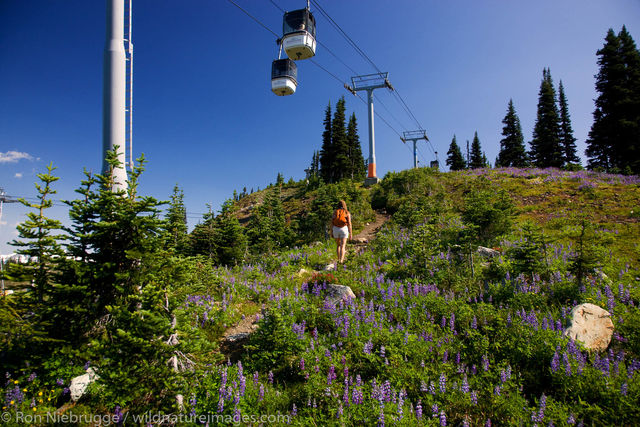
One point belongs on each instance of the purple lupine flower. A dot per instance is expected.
(434, 410)
(485, 362)
(443, 383)
(543, 405)
(474, 323)
(423, 387)
(623, 389)
(60, 382)
(443, 418)
(368, 346)
(117, 415)
(555, 361)
(488, 423)
(382, 351)
(567, 364)
(432, 387)
(419, 410)
(302, 363)
(571, 420)
(255, 378)
(474, 398)
(294, 410)
(261, 393)
(331, 375)
(465, 385)
(496, 390)
(192, 402)
(270, 376)
(33, 376)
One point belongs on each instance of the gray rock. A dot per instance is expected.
(79, 385)
(237, 337)
(487, 252)
(591, 325)
(329, 267)
(336, 293)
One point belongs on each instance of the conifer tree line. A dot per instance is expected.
(341, 155)
(613, 144)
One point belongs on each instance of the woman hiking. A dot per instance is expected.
(341, 223)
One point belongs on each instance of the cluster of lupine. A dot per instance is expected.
(554, 174)
(405, 346)
(28, 395)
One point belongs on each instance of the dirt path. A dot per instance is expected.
(372, 228)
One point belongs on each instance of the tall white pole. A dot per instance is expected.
(114, 93)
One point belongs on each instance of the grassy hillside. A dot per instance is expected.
(437, 333)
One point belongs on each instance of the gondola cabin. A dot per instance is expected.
(284, 77)
(299, 34)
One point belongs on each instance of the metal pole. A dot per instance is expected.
(415, 153)
(114, 93)
(130, 51)
(372, 138)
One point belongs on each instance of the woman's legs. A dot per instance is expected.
(343, 250)
(338, 249)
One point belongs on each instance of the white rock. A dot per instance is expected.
(487, 252)
(329, 267)
(591, 325)
(335, 293)
(79, 384)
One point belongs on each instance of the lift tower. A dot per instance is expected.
(415, 136)
(116, 81)
(370, 82)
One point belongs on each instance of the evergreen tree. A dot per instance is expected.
(176, 221)
(567, 140)
(545, 147)
(279, 180)
(40, 244)
(512, 149)
(614, 139)
(202, 240)
(357, 170)
(230, 241)
(327, 155)
(477, 159)
(340, 143)
(267, 229)
(455, 160)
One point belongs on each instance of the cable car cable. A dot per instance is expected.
(254, 18)
(345, 35)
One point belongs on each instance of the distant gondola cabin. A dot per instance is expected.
(284, 77)
(299, 34)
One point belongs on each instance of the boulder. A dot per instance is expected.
(487, 252)
(591, 325)
(336, 293)
(79, 385)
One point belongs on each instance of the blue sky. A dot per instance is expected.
(204, 115)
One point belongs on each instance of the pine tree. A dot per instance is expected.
(512, 150)
(327, 155)
(614, 139)
(176, 221)
(545, 147)
(455, 160)
(567, 140)
(477, 160)
(40, 244)
(357, 170)
(340, 143)
(629, 144)
(230, 241)
(202, 240)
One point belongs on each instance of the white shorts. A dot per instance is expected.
(340, 232)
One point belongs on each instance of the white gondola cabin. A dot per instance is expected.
(284, 77)
(299, 34)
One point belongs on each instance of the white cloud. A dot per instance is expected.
(18, 175)
(14, 156)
